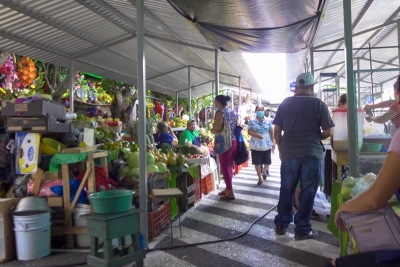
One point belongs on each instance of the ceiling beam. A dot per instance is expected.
(168, 40)
(165, 73)
(211, 70)
(330, 66)
(364, 10)
(356, 34)
(171, 32)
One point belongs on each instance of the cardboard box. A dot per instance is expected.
(27, 152)
(43, 107)
(55, 201)
(6, 204)
(37, 125)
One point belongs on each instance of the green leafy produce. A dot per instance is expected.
(124, 171)
(133, 160)
(194, 151)
(161, 166)
(184, 150)
(150, 159)
(134, 172)
(152, 169)
(166, 147)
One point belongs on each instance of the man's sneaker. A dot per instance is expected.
(312, 234)
(280, 230)
(314, 215)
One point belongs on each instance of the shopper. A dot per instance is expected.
(386, 184)
(301, 118)
(226, 159)
(190, 135)
(165, 135)
(392, 115)
(261, 143)
(342, 101)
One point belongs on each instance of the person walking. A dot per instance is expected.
(300, 118)
(226, 159)
(261, 142)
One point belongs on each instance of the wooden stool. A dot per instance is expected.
(170, 193)
(107, 227)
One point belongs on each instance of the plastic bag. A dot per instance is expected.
(347, 185)
(360, 187)
(369, 178)
(45, 187)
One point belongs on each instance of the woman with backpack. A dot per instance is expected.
(226, 158)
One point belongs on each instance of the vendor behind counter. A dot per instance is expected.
(190, 135)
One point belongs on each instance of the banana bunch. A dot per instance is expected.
(180, 123)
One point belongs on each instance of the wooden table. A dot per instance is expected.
(69, 230)
(341, 159)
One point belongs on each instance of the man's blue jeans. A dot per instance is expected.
(308, 171)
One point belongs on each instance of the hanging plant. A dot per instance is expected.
(26, 71)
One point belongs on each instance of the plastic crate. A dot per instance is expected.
(158, 219)
(207, 184)
(197, 190)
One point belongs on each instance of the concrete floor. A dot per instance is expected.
(213, 219)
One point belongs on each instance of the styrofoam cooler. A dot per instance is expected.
(32, 235)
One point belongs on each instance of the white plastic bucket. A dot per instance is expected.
(32, 235)
(81, 240)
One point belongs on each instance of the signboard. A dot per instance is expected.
(292, 87)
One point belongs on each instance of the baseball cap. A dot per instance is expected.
(305, 80)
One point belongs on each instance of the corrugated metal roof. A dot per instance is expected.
(100, 36)
(371, 14)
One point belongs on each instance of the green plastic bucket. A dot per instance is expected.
(115, 201)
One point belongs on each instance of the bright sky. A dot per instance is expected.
(269, 70)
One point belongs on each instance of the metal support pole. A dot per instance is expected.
(71, 85)
(177, 105)
(141, 87)
(359, 83)
(212, 92)
(189, 94)
(216, 73)
(233, 101)
(240, 91)
(351, 99)
(312, 60)
(398, 40)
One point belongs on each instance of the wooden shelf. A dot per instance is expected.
(91, 104)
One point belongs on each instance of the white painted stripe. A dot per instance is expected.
(235, 251)
(311, 246)
(319, 226)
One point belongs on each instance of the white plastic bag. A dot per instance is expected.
(360, 187)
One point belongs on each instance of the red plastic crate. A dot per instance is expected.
(206, 184)
(197, 190)
(158, 219)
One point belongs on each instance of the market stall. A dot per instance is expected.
(76, 161)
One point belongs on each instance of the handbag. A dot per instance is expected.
(373, 231)
(223, 140)
(260, 144)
